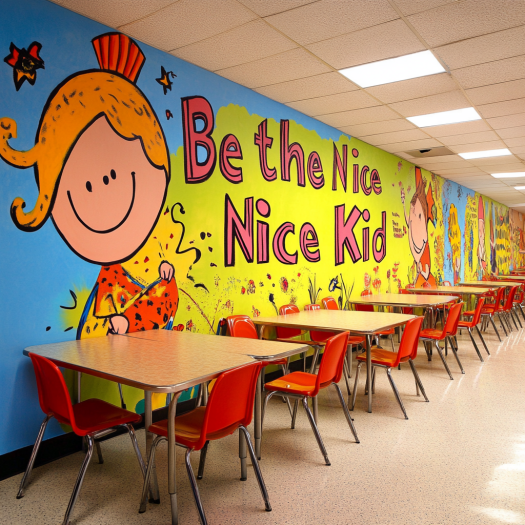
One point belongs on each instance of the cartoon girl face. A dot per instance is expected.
(101, 159)
(418, 235)
(107, 202)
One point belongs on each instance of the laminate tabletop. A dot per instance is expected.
(337, 320)
(490, 284)
(398, 299)
(157, 366)
(460, 290)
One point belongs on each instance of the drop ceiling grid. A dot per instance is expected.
(481, 43)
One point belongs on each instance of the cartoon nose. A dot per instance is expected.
(105, 178)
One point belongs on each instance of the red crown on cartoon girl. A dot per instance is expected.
(117, 52)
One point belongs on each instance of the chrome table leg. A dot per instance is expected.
(148, 420)
(172, 459)
(258, 414)
(368, 343)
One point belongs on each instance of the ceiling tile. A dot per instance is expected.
(460, 20)
(409, 7)
(237, 46)
(167, 29)
(510, 133)
(375, 128)
(310, 87)
(459, 171)
(514, 142)
(469, 138)
(501, 167)
(290, 65)
(442, 159)
(494, 161)
(329, 18)
(114, 14)
(431, 104)
(410, 145)
(395, 136)
(413, 88)
(477, 146)
(517, 150)
(272, 7)
(509, 121)
(358, 116)
(491, 72)
(497, 92)
(388, 40)
(500, 109)
(438, 167)
(457, 129)
(486, 48)
(334, 103)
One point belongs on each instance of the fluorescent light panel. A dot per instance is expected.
(394, 69)
(445, 117)
(485, 154)
(519, 187)
(513, 175)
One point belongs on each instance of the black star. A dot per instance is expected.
(24, 62)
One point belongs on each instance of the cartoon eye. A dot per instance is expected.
(113, 174)
(106, 180)
(89, 187)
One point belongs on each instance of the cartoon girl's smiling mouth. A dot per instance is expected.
(89, 188)
(417, 249)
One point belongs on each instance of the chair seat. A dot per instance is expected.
(188, 428)
(465, 324)
(300, 383)
(380, 357)
(93, 415)
(432, 333)
(320, 338)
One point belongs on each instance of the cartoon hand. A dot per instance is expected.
(118, 324)
(166, 271)
(403, 195)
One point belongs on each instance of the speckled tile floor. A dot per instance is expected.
(459, 459)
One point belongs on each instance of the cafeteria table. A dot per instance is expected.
(250, 347)
(490, 284)
(168, 367)
(359, 323)
(511, 278)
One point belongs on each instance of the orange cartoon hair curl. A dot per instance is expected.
(71, 109)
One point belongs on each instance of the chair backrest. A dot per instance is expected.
(52, 391)
(242, 326)
(310, 307)
(446, 283)
(510, 298)
(287, 333)
(499, 298)
(231, 401)
(451, 326)
(410, 339)
(364, 307)
(477, 312)
(331, 367)
(329, 303)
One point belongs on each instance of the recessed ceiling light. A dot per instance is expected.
(485, 154)
(394, 69)
(513, 175)
(519, 187)
(445, 117)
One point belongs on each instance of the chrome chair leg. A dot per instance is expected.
(80, 479)
(294, 417)
(392, 342)
(475, 345)
(315, 430)
(354, 393)
(32, 458)
(494, 326)
(396, 393)
(242, 457)
(151, 462)
(454, 351)
(502, 325)
(99, 452)
(482, 340)
(257, 469)
(417, 378)
(315, 408)
(515, 317)
(202, 459)
(443, 359)
(122, 404)
(347, 413)
(195, 489)
(346, 376)
(373, 379)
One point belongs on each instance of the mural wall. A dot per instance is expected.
(140, 192)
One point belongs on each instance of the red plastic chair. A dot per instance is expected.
(302, 386)
(406, 310)
(88, 419)
(385, 359)
(489, 311)
(229, 408)
(518, 302)
(473, 323)
(434, 335)
(370, 308)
